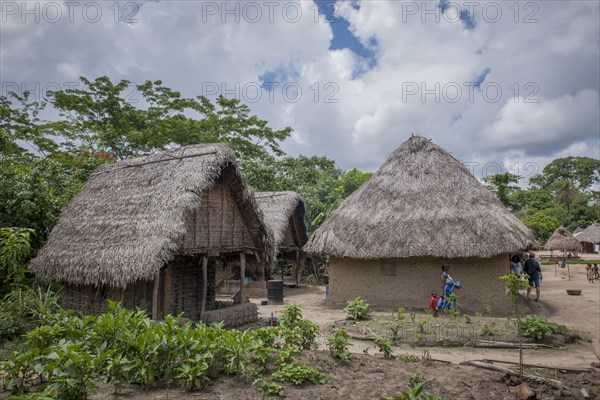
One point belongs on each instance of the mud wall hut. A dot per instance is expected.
(422, 208)
(152, 232)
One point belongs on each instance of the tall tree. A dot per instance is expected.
(503, 185)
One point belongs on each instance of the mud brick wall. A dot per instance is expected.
(236, 315)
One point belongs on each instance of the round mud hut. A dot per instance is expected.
(422, 208)
(152, 232)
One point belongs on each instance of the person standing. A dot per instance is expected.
(517, 266)
(534, 271)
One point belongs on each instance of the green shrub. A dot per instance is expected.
(488, 330)
(358, 309)
(384, 346)
(268, 387)
(338, 344)
(408, 358)
(299, 373)
(537, 327)
(11, 327)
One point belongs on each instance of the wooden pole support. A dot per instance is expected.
(204, 284)
(155, 296)
(242, 275)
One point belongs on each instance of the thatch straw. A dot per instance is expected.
(280, 210)
(591, 234)
(577, 230)
(421, 202)
(562, 240)
(130, 217)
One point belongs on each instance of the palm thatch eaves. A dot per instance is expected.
(130, 218)
(562, 240)
(421, 202)
(591, 234)
(283, 210)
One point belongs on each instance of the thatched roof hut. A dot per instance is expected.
(421, 202)
(421, 208)
(591, 234)
(577, 230)
(284, 214)
(562, 240)
(134, 217)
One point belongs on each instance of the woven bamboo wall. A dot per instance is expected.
(183, 289)
(217, 224)
(92, 300)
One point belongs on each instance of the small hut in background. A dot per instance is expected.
(151, 232)
(284, 215)
(589, 238)
(422, 208)
(564, 242)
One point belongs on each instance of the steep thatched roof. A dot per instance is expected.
(577, 230)
(421, 202)
(591, 234)
(130, 217)
(562, 240)
(284, 211)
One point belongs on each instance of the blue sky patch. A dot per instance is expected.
(343, 38)
(465, 16)
(481, 78)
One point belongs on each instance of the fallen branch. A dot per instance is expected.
(568, 369)
(361, 337)
(509, 345)
(486, 365)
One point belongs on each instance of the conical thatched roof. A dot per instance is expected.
(562, 240)
(130, 217)
(421, 202)
(591, 234)
(284, 211)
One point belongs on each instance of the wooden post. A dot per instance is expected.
(242, 275)
(204, 284)
(155, 296)
(296, 268)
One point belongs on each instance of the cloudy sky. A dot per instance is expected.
(500, 84)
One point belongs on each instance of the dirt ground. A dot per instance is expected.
(371, 376)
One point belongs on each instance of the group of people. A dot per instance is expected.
(446, 300)
(592, 272)
(531, 267)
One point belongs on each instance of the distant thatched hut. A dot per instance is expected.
(285, 215)
(420, 209)
(562, 240)
(151, 231)
(589, 238)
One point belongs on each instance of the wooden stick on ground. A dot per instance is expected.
(486, 365)
(509, 345)
(568, 369)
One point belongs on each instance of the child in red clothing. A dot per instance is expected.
(433, 302)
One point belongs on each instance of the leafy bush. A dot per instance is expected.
(299, 373)
(70, 353)
(268, 387)
(11, 327)
(384, 346)
(537, 327)
(408, 358)
(338, 344)
(488, 330)
(358, 309)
